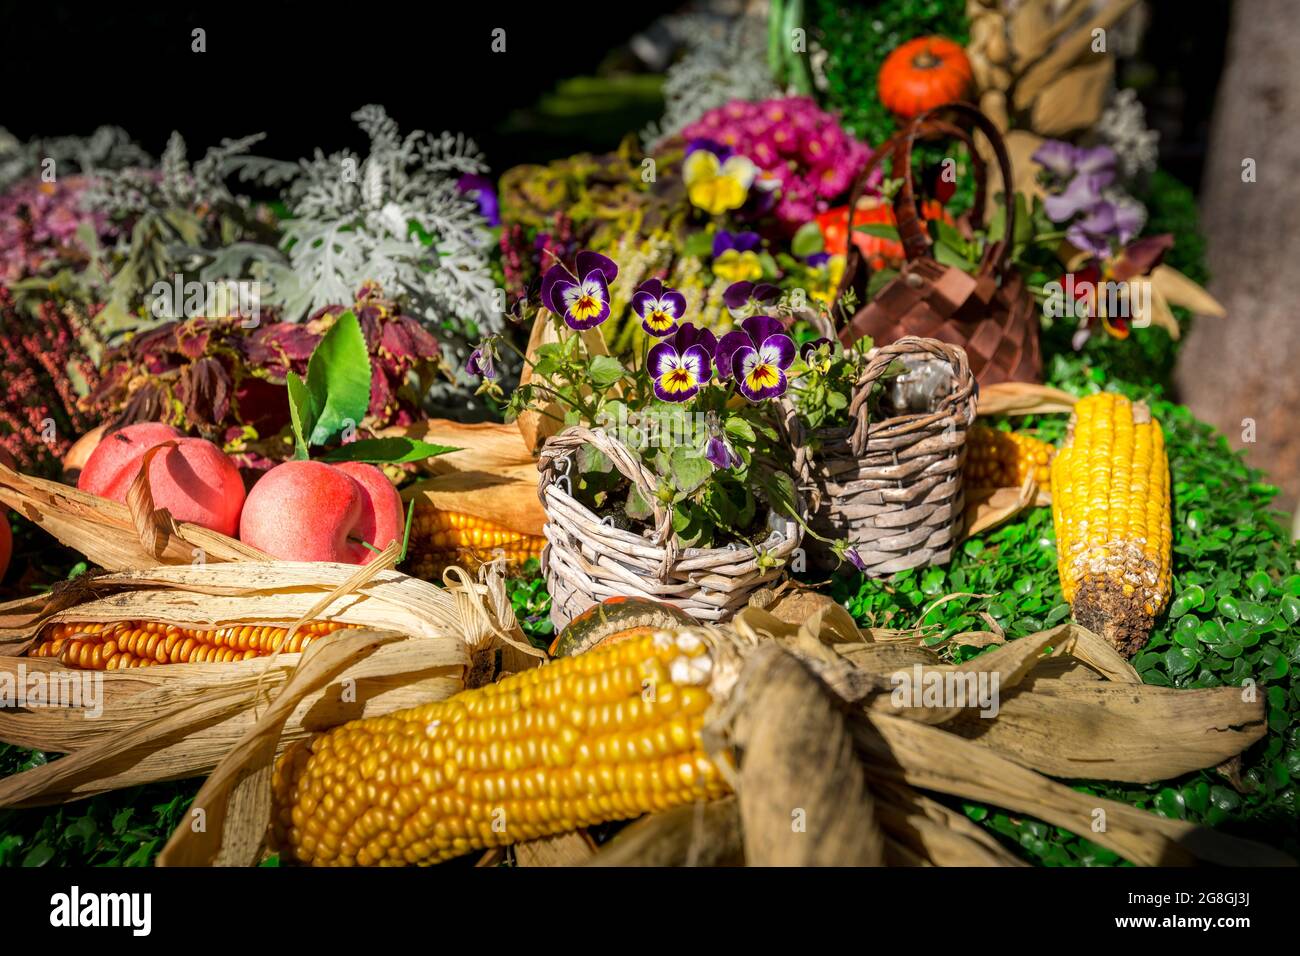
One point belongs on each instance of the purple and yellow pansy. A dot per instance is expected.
(746, 298)
(756, 355)
(735, 256)
(717, 181)
(659, 307)
(680, 366)
(580, 297)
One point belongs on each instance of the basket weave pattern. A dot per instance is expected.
(587, 559)
(893, 488)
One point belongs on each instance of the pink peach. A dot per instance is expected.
(195, 480)
(312, 511)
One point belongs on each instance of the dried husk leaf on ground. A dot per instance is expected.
(1023, 398)
(107, 533)
(989, 507)
(184, 718)
(507, 496)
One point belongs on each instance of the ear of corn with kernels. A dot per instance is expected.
(998, 459)
(605, 735)
(441, 539)
(1110, 505)
(118, 645)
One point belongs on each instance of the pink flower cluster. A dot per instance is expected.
(38, 226)
(804, 148)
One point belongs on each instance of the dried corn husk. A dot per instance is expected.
(810, 716)
(109, 533)
(179, 720)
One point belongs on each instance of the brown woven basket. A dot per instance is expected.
(991, 314)
(587, 560)
(892, 488)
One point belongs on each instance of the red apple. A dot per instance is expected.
(311, 511)
(195, 480)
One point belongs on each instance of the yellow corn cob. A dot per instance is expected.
(441, 538)
(1110, 505)
(998, 459)
(605, 735)
(120, 644)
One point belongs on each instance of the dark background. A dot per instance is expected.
(298, 70)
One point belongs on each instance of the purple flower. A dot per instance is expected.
(746, 298)
(681, 366)
(659, 307)
(855, 559)
(481, 360)
(711, 145)
(481, 189)
(1057, 157)
(1105, 223)
(818, 259)
(581, 298)
(808, 348)
(1083, 192)
(756, 355)
(740, 241)
(720, 453)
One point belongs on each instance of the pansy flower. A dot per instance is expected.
(735, 256)
(715, 185)
(659, 307)
(756, 355)
(482, 361)
(719, 453)
(581, 298)
(811, 354)
(679, 367)
(746, 298)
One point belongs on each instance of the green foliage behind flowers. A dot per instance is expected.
(858, 37)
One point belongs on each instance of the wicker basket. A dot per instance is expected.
(893, 488)
(587, 559)
(991, 314)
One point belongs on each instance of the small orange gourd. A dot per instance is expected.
(922, 74)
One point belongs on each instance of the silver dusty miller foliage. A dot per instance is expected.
(109, 147)
(395, 216)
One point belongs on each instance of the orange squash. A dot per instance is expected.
(922, 74)
(617, 618)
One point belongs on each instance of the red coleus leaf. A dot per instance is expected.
(204, 390)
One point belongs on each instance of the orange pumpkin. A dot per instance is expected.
(922, 74)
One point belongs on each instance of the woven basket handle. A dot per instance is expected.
(564, 445)
(961, 394)
(930, 125)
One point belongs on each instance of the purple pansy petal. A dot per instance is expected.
(728, 346)
(698, 360)
(737, 294)
(760, 327)
(721, 455)
(554, 275)
(855, 559)
(747, 241)
(723, 241)
(779, 349)
(808, 348)
(589, 261)
(653, 286)
(1082, 193)
(661, 359)
(643, 302)
(674, 303)
(689, 335)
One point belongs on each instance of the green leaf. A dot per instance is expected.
(302, 412)
(338, 376)
(637, 507)
(591, 460)
(880, 230)
(807, 240)
(739, 428)
(396, 451)
(689, 470)
(699, 245)
(949, 256)
(605, 370)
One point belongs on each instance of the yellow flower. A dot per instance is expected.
(737, 266)
(826, 280)
(714, 186)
